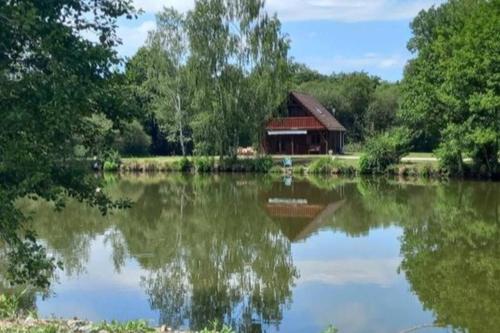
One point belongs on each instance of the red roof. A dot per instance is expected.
(318, 111)
(294, 123)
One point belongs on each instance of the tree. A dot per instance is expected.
(169, 46)
(238, 56)
(358, 105)
(383, 108)
(451, 89)
(53, 80)
(384, 150)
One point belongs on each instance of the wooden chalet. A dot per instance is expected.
(307, 128)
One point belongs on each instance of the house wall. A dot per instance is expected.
(314, 142)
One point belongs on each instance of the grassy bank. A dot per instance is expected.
(320, 165)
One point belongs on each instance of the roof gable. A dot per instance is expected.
(317, 110)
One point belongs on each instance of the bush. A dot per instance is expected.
(383, 151)
(450, 159)
(185, 165)
(353, 147)
(322, 165)
(263, 164)
(204, 164)
(111, 166)
(133, 140)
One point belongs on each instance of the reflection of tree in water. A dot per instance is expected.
(212, 252)
(452, 256)
(216, 257)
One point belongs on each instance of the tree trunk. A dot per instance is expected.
(179, 115)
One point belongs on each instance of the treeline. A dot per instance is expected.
(364, 104)
(206, 82)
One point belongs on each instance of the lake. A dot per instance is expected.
(268, 254)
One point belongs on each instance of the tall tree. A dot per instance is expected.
(451, 90)
(169, 46)
(52, 81)
(231, 41)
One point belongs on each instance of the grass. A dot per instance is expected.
(421, 155)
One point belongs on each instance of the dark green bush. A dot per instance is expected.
(185, 165)
(133, 140)
(204, 164)
(263, 164)
(383, 151)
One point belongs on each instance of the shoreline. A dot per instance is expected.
(75, 325)
(337, 165)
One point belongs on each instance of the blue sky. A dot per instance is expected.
(327, 35)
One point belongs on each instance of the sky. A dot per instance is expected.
(326, 35)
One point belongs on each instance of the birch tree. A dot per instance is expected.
(238, 61)
(167, 75)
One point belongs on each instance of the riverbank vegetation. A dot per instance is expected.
(305, 165)
(430, 110)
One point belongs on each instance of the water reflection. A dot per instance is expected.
(299, 208)
(240, 249)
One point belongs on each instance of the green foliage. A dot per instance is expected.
(111, 166)
(17, 303)
(353, 147)
(137, 326)
(451, 88)
(263, 164)
(240, 74)
(133, 140)
(185, 164)
(362, 103)
(450, 153)
(383, 151)
(54, 82)
(204, 164)
(9, 306)
(383, 108)
(329, 166)
(322, 165)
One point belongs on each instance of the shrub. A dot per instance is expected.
(204, 164)
(133, 140)
(383, 151)
(353, 147)
(111, 166)
(450, 159)
(263, 164)
(185, 165)
(322, 165)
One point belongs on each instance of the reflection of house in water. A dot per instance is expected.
(300, 208)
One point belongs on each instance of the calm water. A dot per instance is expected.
(288, 255)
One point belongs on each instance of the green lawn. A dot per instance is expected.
(421, 155)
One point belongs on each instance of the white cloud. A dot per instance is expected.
(133, 37)
(381, 272)
(348, 10)
(337, 10)
(153, 6)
